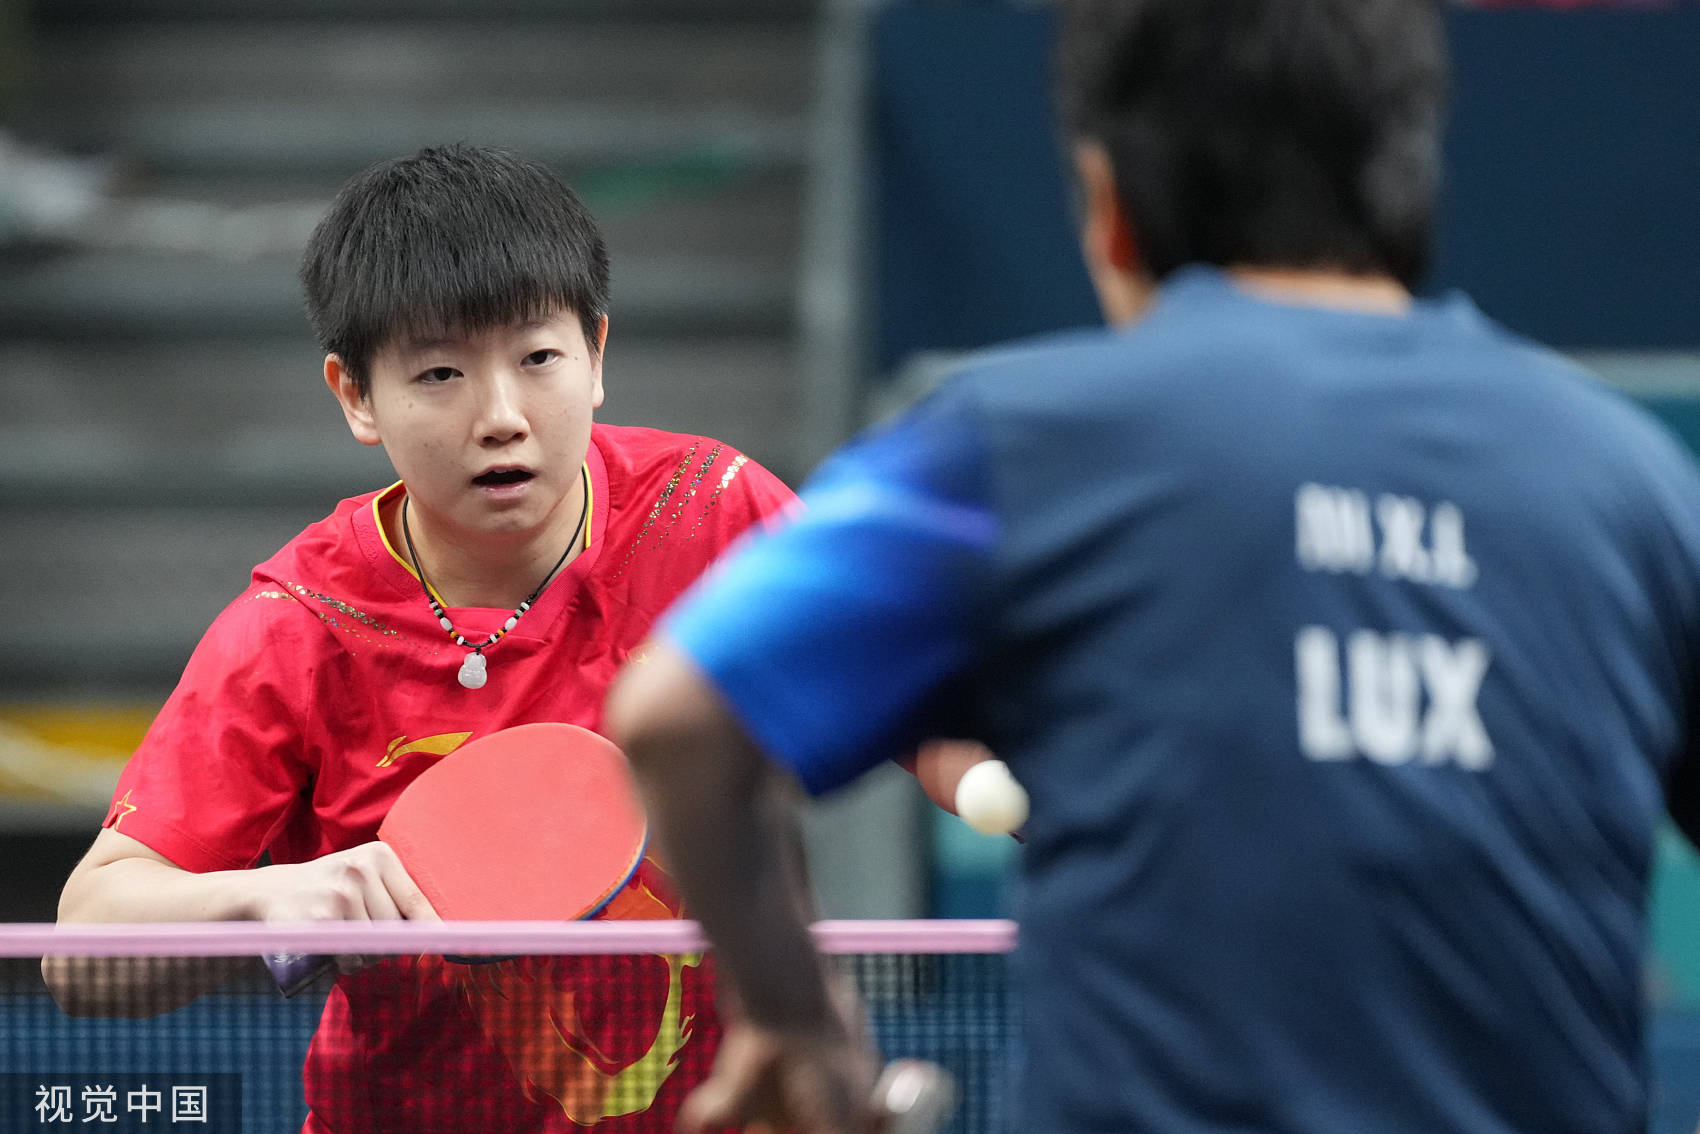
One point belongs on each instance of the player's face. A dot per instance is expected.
(489, 430)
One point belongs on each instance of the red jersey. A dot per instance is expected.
(328, 685)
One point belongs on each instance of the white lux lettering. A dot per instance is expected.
(1372, 703)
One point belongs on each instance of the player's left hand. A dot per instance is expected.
(939, 765)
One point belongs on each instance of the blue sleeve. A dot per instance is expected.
(837, 639)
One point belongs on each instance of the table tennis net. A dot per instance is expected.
(454, 1027)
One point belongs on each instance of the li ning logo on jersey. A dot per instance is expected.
(440, 745)
(1387, 697)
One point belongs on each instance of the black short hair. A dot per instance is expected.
(1276, 133)
(455, 238)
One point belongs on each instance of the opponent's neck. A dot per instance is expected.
(1373, 294)
(1127, 297)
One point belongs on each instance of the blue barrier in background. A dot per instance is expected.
(1570, 210)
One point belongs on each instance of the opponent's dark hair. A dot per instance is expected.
(453, 239)
(1275, 133)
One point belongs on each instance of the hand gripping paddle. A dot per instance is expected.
(538, 822)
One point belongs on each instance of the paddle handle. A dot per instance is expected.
(914, 1096)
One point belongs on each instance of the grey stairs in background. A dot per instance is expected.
(164, 425)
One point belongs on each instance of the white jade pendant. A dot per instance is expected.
(473, 673)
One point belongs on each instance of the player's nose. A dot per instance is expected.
(501, 410)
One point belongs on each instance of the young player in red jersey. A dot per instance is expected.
(461, 297)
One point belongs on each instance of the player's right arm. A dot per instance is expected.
(121, 879)
(229, 756)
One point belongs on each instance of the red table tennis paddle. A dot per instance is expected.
(533, 822)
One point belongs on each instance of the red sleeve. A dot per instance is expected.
(223, 764)
(758, 495)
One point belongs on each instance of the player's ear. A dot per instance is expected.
(1108, 240)
(356, 406)
(601, 346)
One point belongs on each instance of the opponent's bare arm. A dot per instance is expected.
(790, 1056)
(123, 880)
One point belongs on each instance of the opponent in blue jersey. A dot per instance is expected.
(1346, 644)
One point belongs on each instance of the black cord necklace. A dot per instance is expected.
(474, 670)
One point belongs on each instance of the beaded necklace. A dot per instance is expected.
(474, 669)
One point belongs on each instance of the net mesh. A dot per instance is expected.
(534, 1028)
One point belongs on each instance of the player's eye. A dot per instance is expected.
(438, 374)
(542, 357)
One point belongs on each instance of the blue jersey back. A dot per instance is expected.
(1345, 658)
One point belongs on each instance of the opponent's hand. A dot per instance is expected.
(363, 883)
(767, 1080)
(939, 765)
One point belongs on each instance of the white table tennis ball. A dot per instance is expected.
(990, 800)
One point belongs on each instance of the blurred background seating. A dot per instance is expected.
(164, 423)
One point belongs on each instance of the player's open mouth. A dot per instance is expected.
(501, 478)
